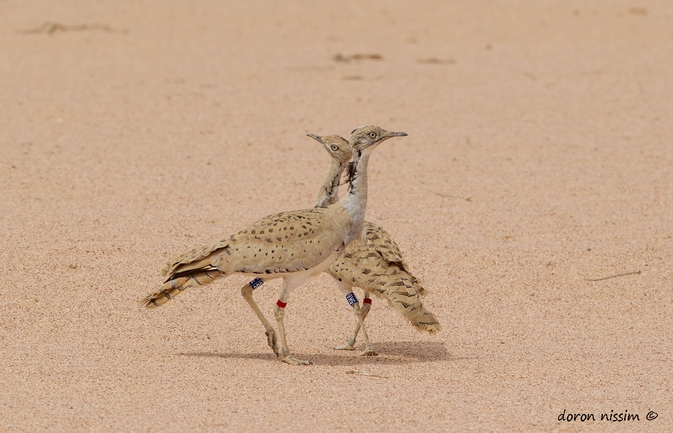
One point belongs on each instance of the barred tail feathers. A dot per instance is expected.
(402, 295)
(176, 285)
(196, 258)
(418, 286)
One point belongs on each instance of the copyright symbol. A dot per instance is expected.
(651, 416)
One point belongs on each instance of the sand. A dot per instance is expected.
(532, 197)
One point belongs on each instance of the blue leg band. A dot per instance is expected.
(256, 283)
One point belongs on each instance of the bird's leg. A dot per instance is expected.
(366, 306)
(246, 291)
(279, 310)
(360, 314)
(369, 348)
(350, 343)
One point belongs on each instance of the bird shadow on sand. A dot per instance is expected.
(389, 353)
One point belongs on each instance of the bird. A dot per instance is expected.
(294, 245)
(375, 265)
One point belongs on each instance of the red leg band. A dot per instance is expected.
(281, 304)
(367, 301)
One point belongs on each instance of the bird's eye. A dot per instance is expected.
(372, 134)
(334, 147)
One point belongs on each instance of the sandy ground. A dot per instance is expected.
(532, 197)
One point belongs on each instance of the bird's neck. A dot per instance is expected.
(329, 191)
(355, 200)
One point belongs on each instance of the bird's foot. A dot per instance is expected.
(348, 346)
(369, 351)
(294, 361)
(272, 340)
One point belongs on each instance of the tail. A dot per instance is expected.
(178, 283)
(417, 285)
(402, 295)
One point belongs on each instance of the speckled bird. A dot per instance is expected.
(376, 266)
(292, 245)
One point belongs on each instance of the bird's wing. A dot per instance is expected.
(384, 244)
(194, 256)
(279, 243)
(284, 242)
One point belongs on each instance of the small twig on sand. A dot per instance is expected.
(51, 28)
(364, 373)
(454, 196)
(613, 276)
(435, 61)
(357, 57)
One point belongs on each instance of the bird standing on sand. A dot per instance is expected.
(291, 245)
(376, 265)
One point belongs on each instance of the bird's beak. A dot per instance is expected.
(317, 138)
(398, 134)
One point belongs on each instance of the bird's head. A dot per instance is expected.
(336, 146)
(370, 136)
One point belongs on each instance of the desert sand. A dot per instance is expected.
(532, 197)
